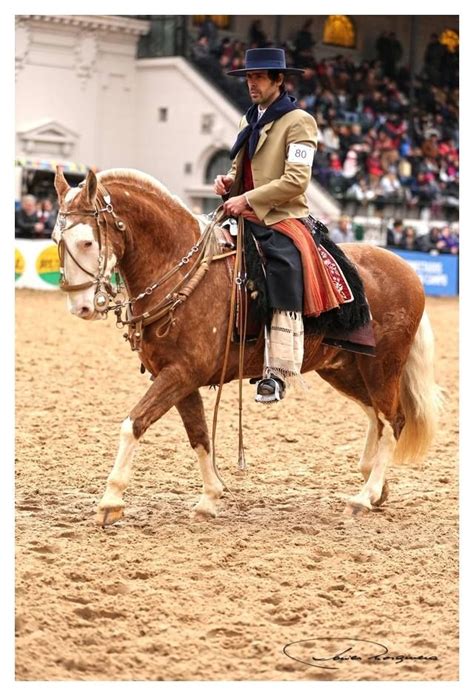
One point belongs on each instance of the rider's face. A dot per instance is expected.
(261, 89)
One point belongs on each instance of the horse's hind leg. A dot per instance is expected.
(375, 490)
(191, 411)
(382, 381)
(346, 378)
(367, 457)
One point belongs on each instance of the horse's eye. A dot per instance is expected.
(87, 244)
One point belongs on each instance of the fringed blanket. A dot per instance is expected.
(334, 297)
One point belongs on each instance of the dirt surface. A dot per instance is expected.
(158, 597)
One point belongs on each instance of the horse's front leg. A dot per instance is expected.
(192, 413)
(167, 389)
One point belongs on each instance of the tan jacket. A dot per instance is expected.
(279, 185)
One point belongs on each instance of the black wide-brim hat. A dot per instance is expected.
(265, 59)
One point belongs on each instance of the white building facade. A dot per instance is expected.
(83, 98)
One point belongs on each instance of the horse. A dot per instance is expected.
(126, 219)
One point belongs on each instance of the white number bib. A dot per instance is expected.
(301, 154)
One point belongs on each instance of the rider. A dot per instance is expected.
(270, 173)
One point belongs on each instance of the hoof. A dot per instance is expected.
(383, 495)
(107, 516)
(203, 510)
(354, 509)
(198, 516)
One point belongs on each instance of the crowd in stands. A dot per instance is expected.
(35, 219)
(373, 148)
(438, 240)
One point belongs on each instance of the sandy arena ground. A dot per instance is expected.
(158, 597)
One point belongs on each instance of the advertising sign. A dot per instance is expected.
(439, 274)
(36, 264)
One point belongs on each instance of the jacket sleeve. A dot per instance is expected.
(296, 176)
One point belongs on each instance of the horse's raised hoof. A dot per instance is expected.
(354, 509)
(108, 516)
(383, 495)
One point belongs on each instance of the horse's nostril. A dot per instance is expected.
(85, 311)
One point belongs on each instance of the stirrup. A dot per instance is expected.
(270, 389)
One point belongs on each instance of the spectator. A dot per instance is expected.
(430, 147)
(46, 214)
(360, 191)
(257, 37)
(447, 243)
(382, 46)
(335, 163)
(420, 191)
(210, 32)
(224, 52)
(330, 138)
(304, 43)
(388, 150)
(390, 187)
(394, 54)
(26, 220)
(430, 240)
(374, 169)
(434, 57)
(200, 48)
(410, 241)
(308, 84)
(343, 231)
(350, 166)
(395, 234)
(389, 52)
(356, 140)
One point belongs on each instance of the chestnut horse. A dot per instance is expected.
(126, 219)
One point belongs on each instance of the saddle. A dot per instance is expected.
(348, 327)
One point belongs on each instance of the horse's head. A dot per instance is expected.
(86, 254)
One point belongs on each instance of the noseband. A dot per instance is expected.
(104, 292)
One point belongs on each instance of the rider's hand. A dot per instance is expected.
(222, 184)
(236, 205)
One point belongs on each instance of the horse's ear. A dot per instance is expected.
(60, 183)
(90, 186)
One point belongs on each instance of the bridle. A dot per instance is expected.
(104, 292)
(106, 298)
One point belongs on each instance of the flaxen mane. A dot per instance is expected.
(145, 182)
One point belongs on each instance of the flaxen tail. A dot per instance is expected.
(420, 397)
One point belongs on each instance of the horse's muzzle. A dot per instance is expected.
(84, 311)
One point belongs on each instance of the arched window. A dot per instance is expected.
(218, 164)
(450, 39)
(339, 30)
(221, 21)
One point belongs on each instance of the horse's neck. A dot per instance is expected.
(158, 240)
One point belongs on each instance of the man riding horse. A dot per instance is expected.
(267, 184)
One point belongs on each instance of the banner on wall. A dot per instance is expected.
(36, 264)
(37, 267)
(439, 274)
(50, 165)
